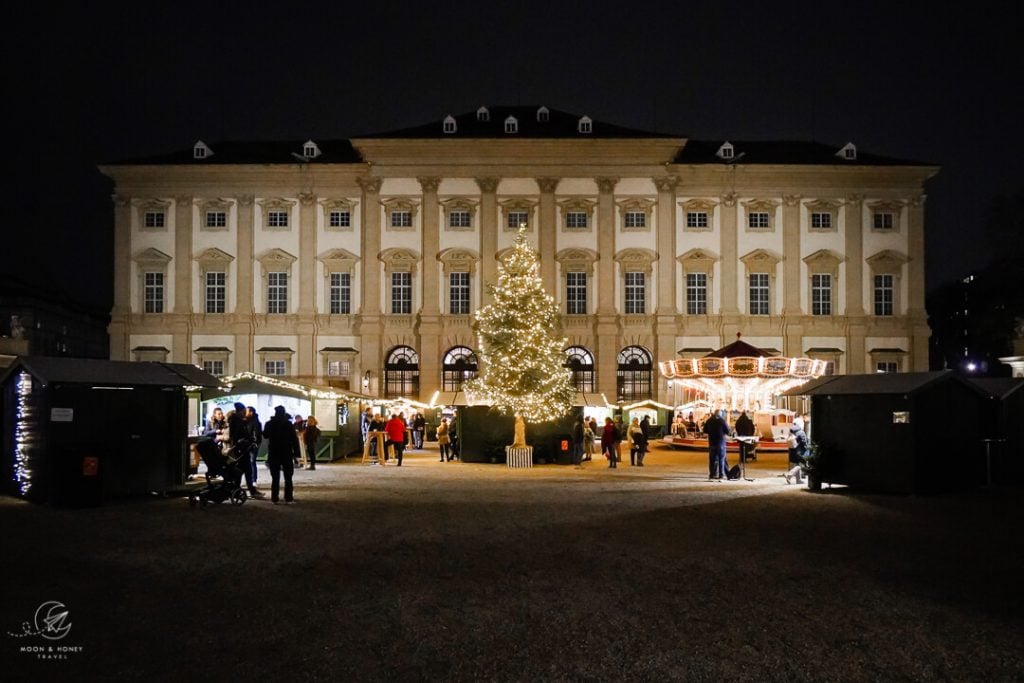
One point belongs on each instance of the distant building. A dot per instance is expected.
(361, 261)
(38, 322)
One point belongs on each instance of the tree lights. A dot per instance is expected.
(521, 357)
(23, 435)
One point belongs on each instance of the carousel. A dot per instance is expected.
(739, 378)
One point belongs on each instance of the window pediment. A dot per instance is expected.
(577, 259)
(887, 261)
(214, 204)
(339, 203)
(212, 258)
(399, 260)
(276, 204)
(761, 261)
(761, 205)
(276, 260)
(698, 261)
(637, 259)
(886, 205)
(698, 204)
(456, 260)
(151, 257)
(823, 261)
(577, 204)
(338, 260)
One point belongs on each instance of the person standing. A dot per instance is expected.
(797, 451)
(238, 435)
(577, 443)
(632, 433)
(300, 427)
(610, 442)
(443, 440)
(645, 438)
(282, 453)
(364, 424)
(453, 434)
(419, 425)
(395, 428)
(717, 429)
(588, 439)
(255, 427)
(310, 435)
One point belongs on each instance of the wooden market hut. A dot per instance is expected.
(77, 431)
(915, 432)
(1002, 422)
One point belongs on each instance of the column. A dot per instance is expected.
(547, 232)
(243, 285)
(792, 284)
(665, 313)
(607, 329)
(856, 318)
(369, 325)
(306, 329)
(181, 321)
(430, 312)
(488, 235)
(122, 278)
(916, 316)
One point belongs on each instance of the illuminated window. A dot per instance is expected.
(402, 373)
(634, 376)
(581, 363)
(459, 365)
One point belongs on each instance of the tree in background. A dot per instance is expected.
(521, 357)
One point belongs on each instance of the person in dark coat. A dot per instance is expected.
(419, 426)
(577, 442)
(282, 453)
(717, 429)
(610, 443)
(255, 427)
(309, 437)
(241, 441)
(644, 439)
(744, 425)
(798, 448)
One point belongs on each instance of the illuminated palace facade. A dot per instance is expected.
(358, 263)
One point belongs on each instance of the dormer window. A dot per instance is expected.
(585, 125)
(848, 152)
(482, 114)
(543, 115)
(310, 149)
(726, 151)
(449, 124)
(511, 125)
(201, 151)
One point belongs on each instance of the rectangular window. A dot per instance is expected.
(154, 219)
(341, 293)
(277, 292)
(214, 367)
(154, 293)
(216, 219)
(401, 293)
(883, 294)
(635, 219)
(277, 219)
(821, 220)
(759, 294)
(636, 293)
(887, 366)
(215, 292)
(339, 368)
(696, 293)
(458, 293)
(882, 220)
(757, 220)
(340, 219)
(696, 219)
(821, 294)
(576, 293)
(401, 219)
(517, 218)
(576, 220)
(459, 219)
(274, 367)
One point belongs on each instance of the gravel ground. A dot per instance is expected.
(463, 571)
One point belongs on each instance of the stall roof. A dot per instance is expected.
(112, 372)
(254, 383)
(450, 398)
(877, 383)
(1000, 387)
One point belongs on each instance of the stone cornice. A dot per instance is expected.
(521, 151)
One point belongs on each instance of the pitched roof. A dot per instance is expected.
(111, 372)
(254, 152)
(1000, 387)
(559, 124)
(781, 152)
(739, 349)
(877, 383)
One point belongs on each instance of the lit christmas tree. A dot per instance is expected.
(522, 362)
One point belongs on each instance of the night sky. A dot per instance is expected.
(96, 82)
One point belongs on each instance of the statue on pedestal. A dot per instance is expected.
(520, 433)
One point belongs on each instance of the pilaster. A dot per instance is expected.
(307, 253)
(730, 259)
(118, 330)
(856, 353)
(606, 246)
(853, 219)
(488, 235)
(791, 283)
(244, 262)
(547, 231)
(666, 247)
(606, 363)
(370, 233)
(915, 264)
(431, 246)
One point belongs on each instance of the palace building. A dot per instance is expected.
(358, 263)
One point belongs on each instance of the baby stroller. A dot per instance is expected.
(223, 476)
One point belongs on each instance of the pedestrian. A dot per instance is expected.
(364, 424)
(377, 425)
(300, 426)
(744, 425)
(443, 440)
(577, 442)
(588, 440)
(310, 435)
(238, 436)
(395, 428)
(282, 453)
(216, 425)
(610, 442)
(645, 439)
(453, 434)
(797, 451)
(632, 433)
(717, 429)
(419, 425)
(255, 427)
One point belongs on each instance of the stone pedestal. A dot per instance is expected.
(519, 456)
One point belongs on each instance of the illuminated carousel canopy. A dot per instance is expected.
(741, 375)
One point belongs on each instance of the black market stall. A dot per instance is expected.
(77, 431)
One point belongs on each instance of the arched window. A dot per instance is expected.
(459, 365)
(581, 362)
(402, 373)
(633, 381)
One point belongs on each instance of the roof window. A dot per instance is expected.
(449, 124)
(585, 125)
(482, 114)
(310, 149)
(511, 125)
(848, 152)
(543, 114)
(201, 151)
(726, 151)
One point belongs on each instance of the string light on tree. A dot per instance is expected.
(522, 362)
